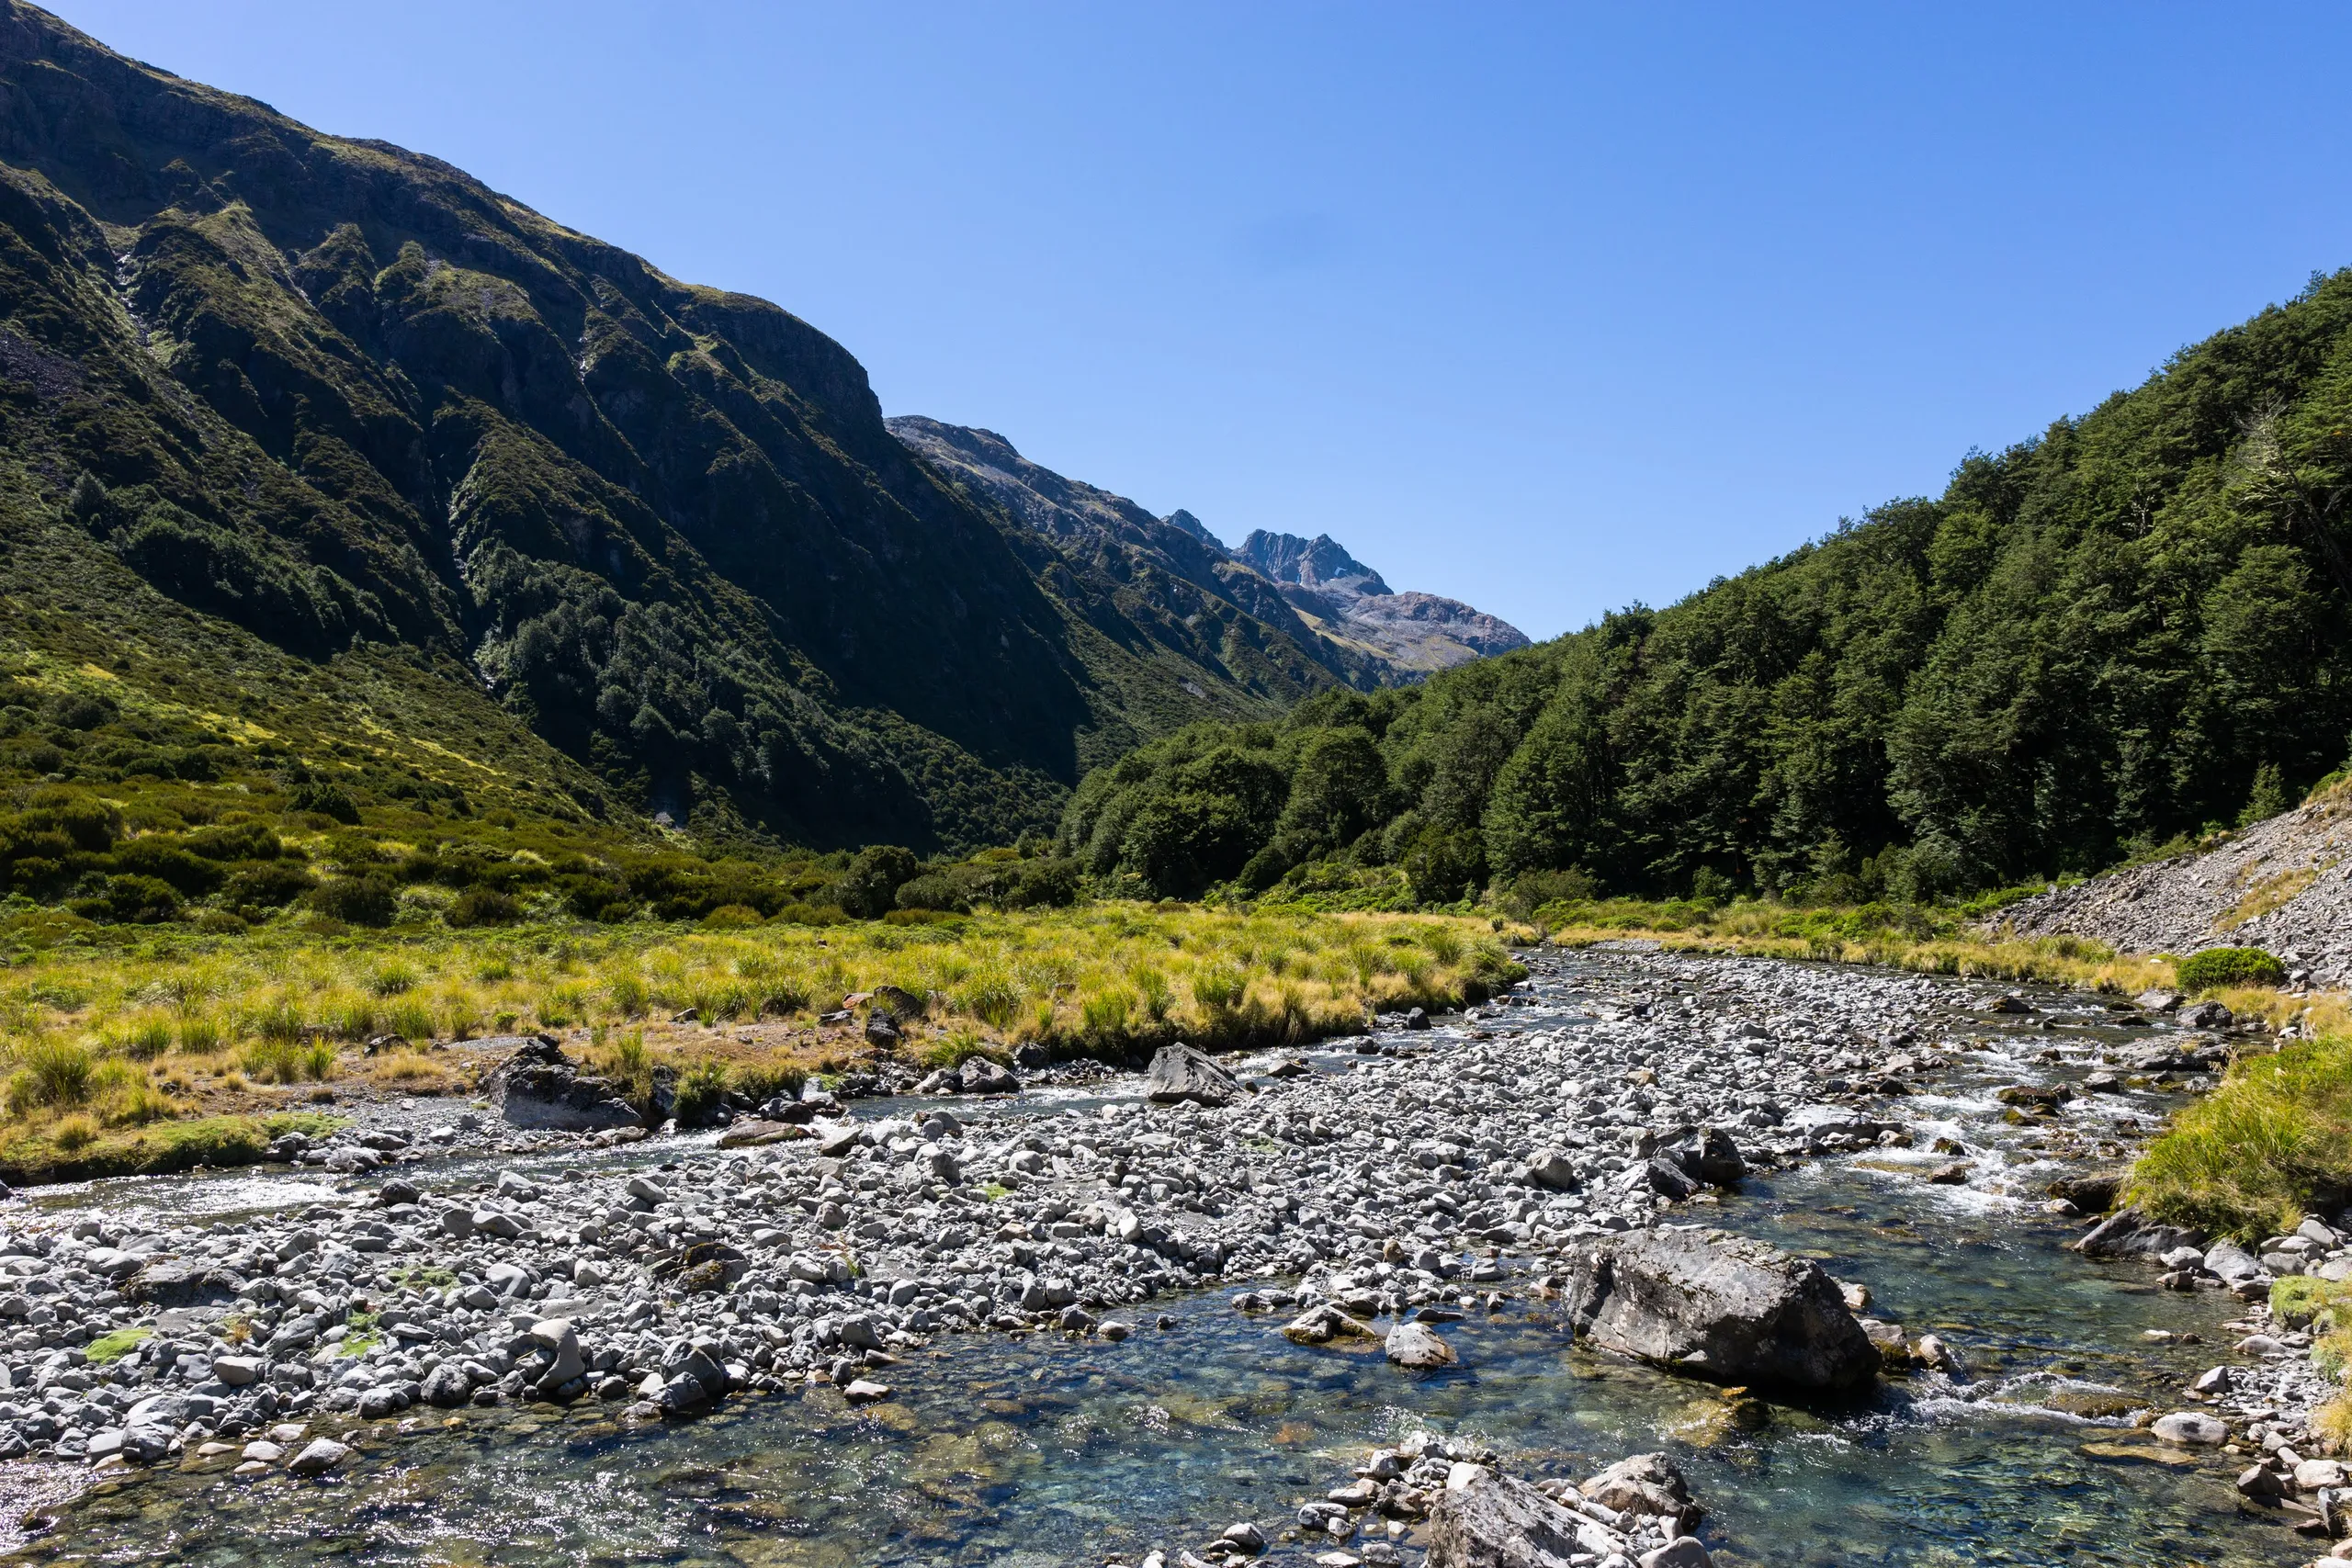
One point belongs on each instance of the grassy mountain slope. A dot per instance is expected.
(348, 405)
(2131, 627)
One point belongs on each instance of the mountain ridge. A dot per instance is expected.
(343, 397)
(1328, 613)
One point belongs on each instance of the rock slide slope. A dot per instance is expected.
(2284, 884)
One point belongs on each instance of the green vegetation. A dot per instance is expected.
(2219, 967)
(175, 1052)
(326, 464)
(2272, 1144)
(114, 1346)
(34, 1151)
(2119, 635)
(1926, 939)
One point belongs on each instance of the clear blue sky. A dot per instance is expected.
(1544, 307)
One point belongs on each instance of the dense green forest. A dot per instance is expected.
(2129, 628)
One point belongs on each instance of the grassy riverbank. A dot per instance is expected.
(139, 1057)
(1930, 940)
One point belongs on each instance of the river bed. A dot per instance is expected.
(1053, 1449)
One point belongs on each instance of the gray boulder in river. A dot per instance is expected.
(2128, 1233)
(538, 1086)
(1500, 1521)
(1180, 1073)
(1721, 1307)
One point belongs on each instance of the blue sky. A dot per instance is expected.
(1547, 307)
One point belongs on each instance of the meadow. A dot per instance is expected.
(176, 1049)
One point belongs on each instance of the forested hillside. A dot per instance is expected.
(2131, 627)
(284, 413)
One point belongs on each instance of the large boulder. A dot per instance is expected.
(1500, 1521)
(538, 1086)
(2128, 1233)
(1718, 1306)
(1181, 1073)
(178, 1282)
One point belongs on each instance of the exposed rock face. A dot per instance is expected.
(2284, 886)
(538, 1086)
(1343, 597)
(1197, 582)
(1307, 593)
(1179, 1073)
(1717, 1306)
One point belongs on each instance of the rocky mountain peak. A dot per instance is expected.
(1320, 564)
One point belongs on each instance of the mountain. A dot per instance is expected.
(284, 413)
(1161, 564)
(1345, 599)
(2135, 625)
(1309, 597)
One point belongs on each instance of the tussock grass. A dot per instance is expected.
(1927, 940)
(96, 1032)
(2273, 1142)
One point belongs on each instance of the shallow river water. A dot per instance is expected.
(1056, 1450)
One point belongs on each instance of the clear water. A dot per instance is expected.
(1060, 1451)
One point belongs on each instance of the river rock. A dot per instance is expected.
(753, 1133)
(1645, 1483)
(1552, 1169)
(1181, 1073)
(981, 1076)
(539, 1087)
(1418, 1345)
(319, 1456)
(1718, 1306)
(1500, 1521)
(174, 1282)
(2128, 1233)
(2192, 1429)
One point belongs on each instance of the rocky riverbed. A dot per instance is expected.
(1435, 1188)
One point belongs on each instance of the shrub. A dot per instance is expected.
(268, 885)
(355, 900)
(2218, 966)
(132, 901)
(482, 907)
(763, 1083)
(869, 888)
(326, 800)
(731, 917)
(700, 1089)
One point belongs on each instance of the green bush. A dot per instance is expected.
(132, 901)
(482, 907)
(355, 900)
(268, 884)
(326, 800)
(2219, 967)
(762, 1083)
(700, 1089)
